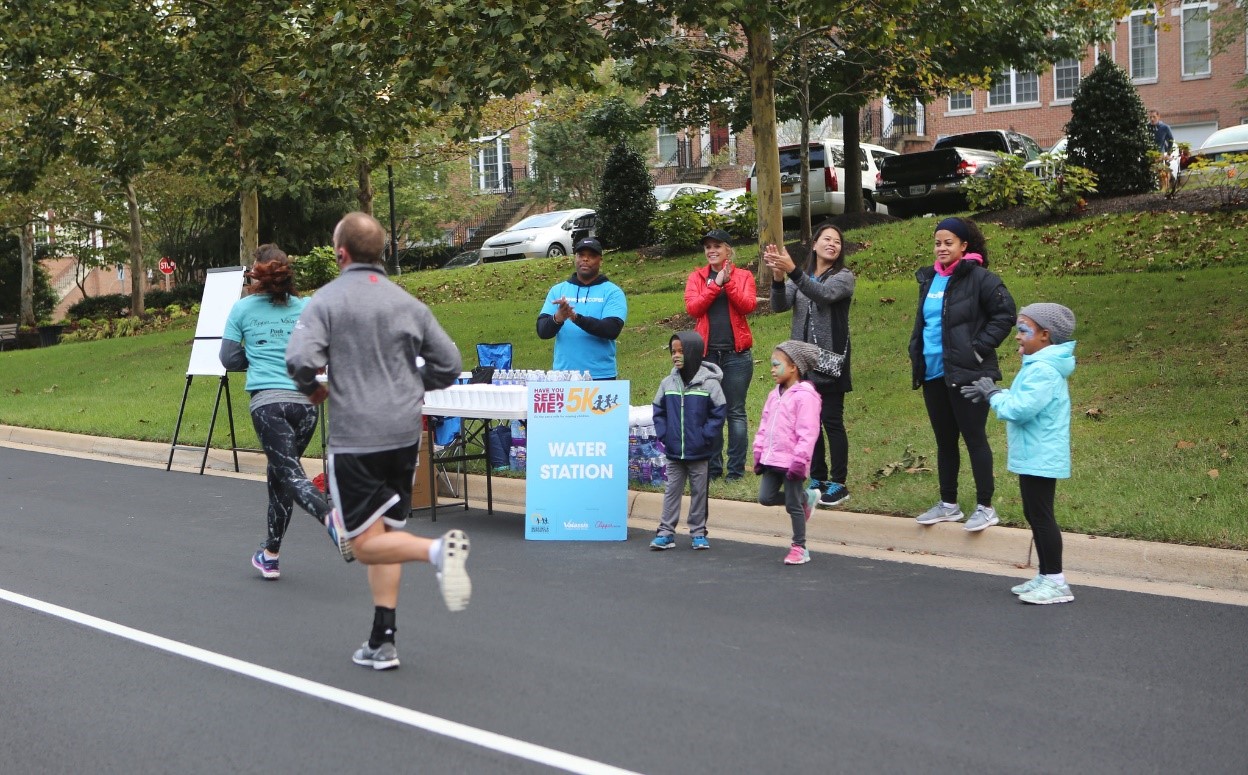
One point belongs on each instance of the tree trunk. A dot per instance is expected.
(136, 251)
(365, 193)
(853, 170)
(27, 240)
(249, 225)
(803, 215)
(766, 152)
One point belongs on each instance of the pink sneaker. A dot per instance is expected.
(812, 497)
(797, 555)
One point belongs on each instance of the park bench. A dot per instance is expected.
(8, 335)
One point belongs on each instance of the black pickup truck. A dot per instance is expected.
(932, 181)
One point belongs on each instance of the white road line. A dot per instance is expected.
(439, 726)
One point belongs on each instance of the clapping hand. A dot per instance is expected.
(721, 279)
(776, 257)
(980, 390)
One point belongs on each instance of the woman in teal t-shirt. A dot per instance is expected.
(256, 333)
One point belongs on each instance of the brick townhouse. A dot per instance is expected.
(1167, 57)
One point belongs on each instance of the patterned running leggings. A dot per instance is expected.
(285, 429)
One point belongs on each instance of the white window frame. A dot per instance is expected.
(958, 111)
(1140, 20)
(1190, 7)
(479, 168)
(1060, 64)
(662, 134)
(1013, 77)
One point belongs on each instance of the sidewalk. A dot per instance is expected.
(1217, 575)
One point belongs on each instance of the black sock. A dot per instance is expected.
(383, 627)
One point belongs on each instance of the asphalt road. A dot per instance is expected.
(135, 637)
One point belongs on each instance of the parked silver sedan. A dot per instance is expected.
(545, 234)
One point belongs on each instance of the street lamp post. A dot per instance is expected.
(394, 239)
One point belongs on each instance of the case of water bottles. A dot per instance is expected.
(647, 458)
(525, 376)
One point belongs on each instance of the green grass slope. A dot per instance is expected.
(1160, 403)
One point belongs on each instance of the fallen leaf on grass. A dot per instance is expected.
(1185, 445)
(1213, 473)
(1095, 413)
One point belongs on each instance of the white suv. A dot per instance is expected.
(827, 196)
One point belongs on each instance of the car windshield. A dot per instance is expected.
(664, 193)
(463, 259)
(541, 221)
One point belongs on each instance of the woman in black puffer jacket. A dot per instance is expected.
(964, 314)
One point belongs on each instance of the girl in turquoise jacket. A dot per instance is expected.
(1036, 410)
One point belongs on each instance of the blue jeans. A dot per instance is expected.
(738, 370)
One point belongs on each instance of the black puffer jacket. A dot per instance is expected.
(978, 315)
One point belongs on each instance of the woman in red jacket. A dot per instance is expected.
(718, 296)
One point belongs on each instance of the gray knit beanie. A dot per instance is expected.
(803, 354)
(1059, 321)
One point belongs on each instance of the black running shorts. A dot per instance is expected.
(372, 486)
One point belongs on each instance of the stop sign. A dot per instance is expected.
(166, 265)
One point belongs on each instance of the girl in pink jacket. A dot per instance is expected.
(786, 440)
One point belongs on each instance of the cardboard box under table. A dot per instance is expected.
(479, 406)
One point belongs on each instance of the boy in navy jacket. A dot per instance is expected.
(689, 412)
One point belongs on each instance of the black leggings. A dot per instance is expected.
(1038, 493)
(832, 418)
(285, 430)
(952, 416)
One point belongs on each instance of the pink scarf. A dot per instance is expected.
(945, 271)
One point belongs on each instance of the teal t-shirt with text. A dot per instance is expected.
(264, 328)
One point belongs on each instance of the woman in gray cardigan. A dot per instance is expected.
(819, 295)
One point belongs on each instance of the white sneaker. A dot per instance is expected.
(940, 513)
(983, 518)
(452, 575)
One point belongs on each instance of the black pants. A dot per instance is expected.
(832, 418)
(1038, 493)
(952, 416)
(285, 431)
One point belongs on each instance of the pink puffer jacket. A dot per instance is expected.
(789, 427)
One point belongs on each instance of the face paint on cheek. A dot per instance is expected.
(778, 368)
(1025, 330)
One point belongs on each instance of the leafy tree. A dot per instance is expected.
(627, 205)
(1108, 131)
(569, 158)
(43, 298)
(733, 51)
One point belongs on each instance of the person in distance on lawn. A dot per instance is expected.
(786, 440)
(256, 332)
(1036, 410)
(584, 315)
(719, 297)
(377, 335)
(689, 412)
(964, 313)
(820, 294)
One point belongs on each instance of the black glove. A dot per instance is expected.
(980, 390)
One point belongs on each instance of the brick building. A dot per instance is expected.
(1167, 58)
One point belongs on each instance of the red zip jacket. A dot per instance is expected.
(742, 299)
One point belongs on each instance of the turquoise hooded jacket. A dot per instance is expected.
(1036, 410)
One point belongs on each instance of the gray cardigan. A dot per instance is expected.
(370, 332)
(820, 313)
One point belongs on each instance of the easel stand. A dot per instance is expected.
(223, 386)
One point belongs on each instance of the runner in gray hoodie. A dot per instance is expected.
(372, 332)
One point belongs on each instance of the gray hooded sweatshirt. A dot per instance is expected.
(370, 331)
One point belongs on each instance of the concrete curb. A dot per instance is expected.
(1220, 575)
